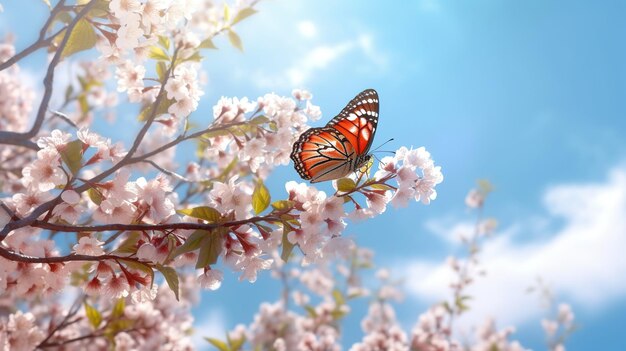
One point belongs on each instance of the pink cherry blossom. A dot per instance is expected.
(211, 279)
(89, 246)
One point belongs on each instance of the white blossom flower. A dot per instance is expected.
(147, 252)
(145, 294)
(115, 287)
(121, 8)
(130, 32)
(251, 265)
(211, 279)
(232, 196)
(44, 173)
(89, 246)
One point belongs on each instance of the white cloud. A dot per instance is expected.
(213, 325)
(311, 62)
(316, 60)
(307, 29)
(582, 261)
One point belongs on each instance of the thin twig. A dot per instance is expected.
(64, 117)
(41, 41)
(166, 171)
(14, 138)
(67, 228)
(72, 312)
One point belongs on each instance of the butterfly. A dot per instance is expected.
(341, 147)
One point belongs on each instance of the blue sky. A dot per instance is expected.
(529, 94)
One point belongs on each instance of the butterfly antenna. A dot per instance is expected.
(381, 145)
(377, 159)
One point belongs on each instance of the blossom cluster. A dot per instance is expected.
(170, 32)
(308, 326)
(17, 98)
(158, 323)
(271, 123)
(319, 291)
(15, 108)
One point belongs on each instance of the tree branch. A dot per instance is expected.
(13, 138)
(66, 228)
(41, 41)
(18, 257)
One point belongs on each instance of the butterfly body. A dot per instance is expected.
(341, 147)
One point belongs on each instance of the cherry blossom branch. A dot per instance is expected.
(64, 118)
(22, 139)
(366, 184)
(182, 138)
(147, 227)
(464, 272)
(18, 257)
(128, 159)
(65, 322)
(41, 41)
(69, 341)
(125, 161)
(166, 171)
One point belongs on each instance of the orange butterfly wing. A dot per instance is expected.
(323, 154)
(358, 120)
(341, 147)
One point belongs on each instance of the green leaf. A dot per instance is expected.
(158, 53)
(235, 40)
(287, 245)
(210, 248)
(260, 120)
(460, 303)
(337, 314)
(63, 17)
(243, 14)
(71, 154)
(206, 213)
(226, 12)
(195, 57)
(381, 186)
(311, 311)
(161, 69)
(219, 344)
(94, 317)
(118, 308)
(235, 345)
(273, 126)
(485, 186)
(164, 41)
(260, 197)
(207, 44)
(345, 185)
(68, 91)
(224, 175)
(171, 277)
(161, 109)
(193, 242)
(82, 37)
(283, 205)
(338, 296)
(216, 133)
(83, 103)
(95, 196)
(129, 246)
(99, 9)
